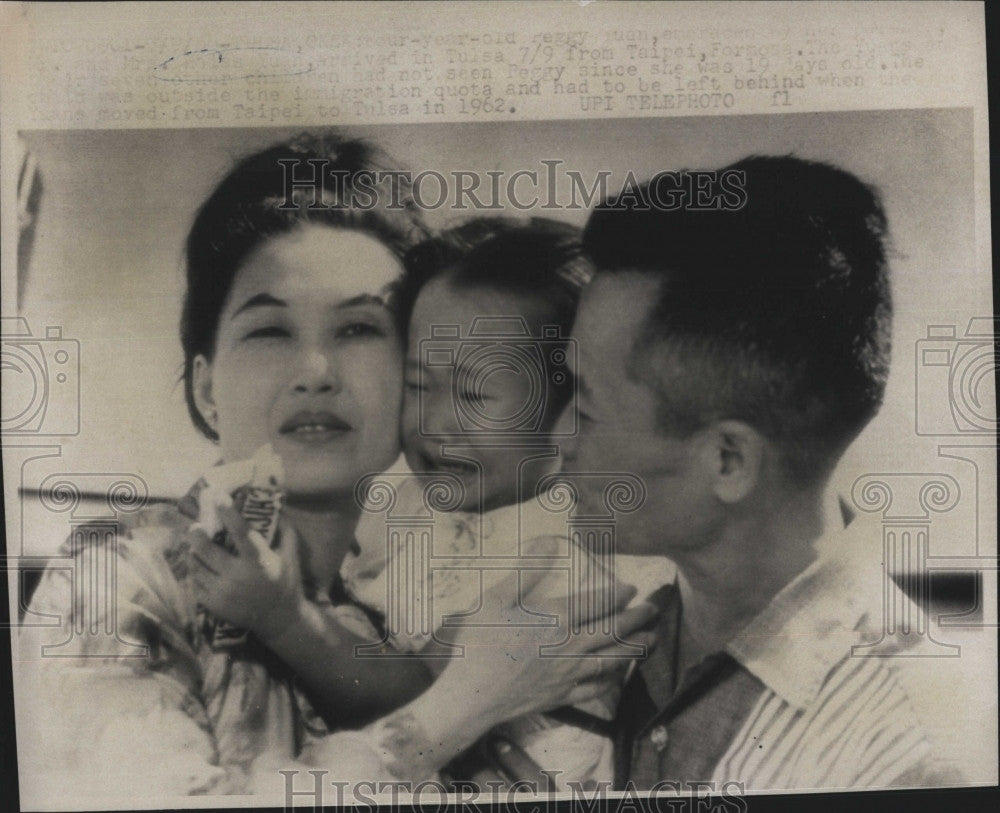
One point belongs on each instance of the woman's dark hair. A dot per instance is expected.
(323, 180)
(536, 258)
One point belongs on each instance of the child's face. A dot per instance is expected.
(443, 401)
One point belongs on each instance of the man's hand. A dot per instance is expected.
(503, 672)
(500, 677)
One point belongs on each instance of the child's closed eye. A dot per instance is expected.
(472, 397)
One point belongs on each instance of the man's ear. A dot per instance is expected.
(201, 389)
(738, 454)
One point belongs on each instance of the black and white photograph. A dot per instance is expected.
(410, 446)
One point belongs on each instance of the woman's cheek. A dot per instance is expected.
(254, 368)
(244, 395)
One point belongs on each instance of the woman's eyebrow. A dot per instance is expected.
(259, 301)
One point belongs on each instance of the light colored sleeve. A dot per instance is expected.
(930, 772)
(346, 756)
(404, 576)
(894, 747)
(114, 708)
(364, 571)
(342, 768)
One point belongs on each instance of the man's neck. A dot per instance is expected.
(326, 529)
(725, 583)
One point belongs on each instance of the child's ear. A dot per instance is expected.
(201, 389)
(738, 454)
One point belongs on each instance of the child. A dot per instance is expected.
(489, 306)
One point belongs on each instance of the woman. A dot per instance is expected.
(290, 340)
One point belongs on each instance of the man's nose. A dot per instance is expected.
(316, 371)
(565, 433)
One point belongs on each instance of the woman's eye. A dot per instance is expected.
(268, 332)
(359, 329)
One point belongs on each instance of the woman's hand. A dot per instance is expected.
(254, 587)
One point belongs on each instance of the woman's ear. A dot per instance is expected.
(738, 451)
(201, 389)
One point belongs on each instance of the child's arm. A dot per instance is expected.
(351, 691)
(261, 589)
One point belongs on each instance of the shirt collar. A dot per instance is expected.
(812, 624)
(530, 519)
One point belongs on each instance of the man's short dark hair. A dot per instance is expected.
(777, 313)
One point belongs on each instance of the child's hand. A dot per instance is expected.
(255, 587)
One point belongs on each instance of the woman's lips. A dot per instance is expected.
(314, 427)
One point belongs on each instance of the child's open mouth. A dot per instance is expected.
(460, 468)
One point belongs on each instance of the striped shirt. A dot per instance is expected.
(795, 701)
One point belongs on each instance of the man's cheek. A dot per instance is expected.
(589, 452)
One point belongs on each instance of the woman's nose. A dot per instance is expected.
(316, 371)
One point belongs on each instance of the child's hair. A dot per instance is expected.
(777, 313)
(537, 258)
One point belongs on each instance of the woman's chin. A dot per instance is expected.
(319, 472)
(300, 489)
(318, 498)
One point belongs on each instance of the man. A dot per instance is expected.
(728, 358)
